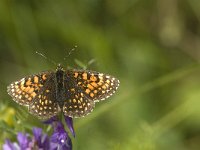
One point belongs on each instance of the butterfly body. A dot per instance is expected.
(59, 83)
(72, 92)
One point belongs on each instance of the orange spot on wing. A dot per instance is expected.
(28, 82)
(94, 84)
(76, 74)
(84, 76)
(104, 87)
(33, 94)
(93, 78)
(22, 88)
(30, 90)
(35, 79)
(90, 87)
(27, 89)
(87, 91)
(44, 77)
(91, 94)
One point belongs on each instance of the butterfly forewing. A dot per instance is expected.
(95, 86)
(25, 90)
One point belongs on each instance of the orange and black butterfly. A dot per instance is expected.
(73, 92)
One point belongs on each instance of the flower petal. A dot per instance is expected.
(69, 123)
(23, 140)
(60, 137)
(45, 142)
(53, 146)
(68, 145)
(37, 132)
(8, 145)
(41, 139)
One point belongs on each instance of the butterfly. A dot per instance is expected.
(72, 92)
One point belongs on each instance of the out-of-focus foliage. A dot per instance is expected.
(153, 47)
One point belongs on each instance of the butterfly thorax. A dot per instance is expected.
(60, 86)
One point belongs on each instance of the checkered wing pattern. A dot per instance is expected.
(86, 88)
(24, 91)
(96, 86)
(74, 92)
(76, 104)
(36, 92)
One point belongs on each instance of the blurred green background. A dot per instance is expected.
(152, 46)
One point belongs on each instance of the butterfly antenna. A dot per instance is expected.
(42, 55)
(70, 52)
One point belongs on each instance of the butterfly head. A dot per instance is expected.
(59, 68)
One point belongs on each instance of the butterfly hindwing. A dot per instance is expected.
(45, 105)
(76, 103)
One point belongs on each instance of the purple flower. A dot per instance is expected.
(69, 123)
(59, 140)
(23, 140)
(60, 137)
(38, 141)
(10, 146)
(41, 139)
